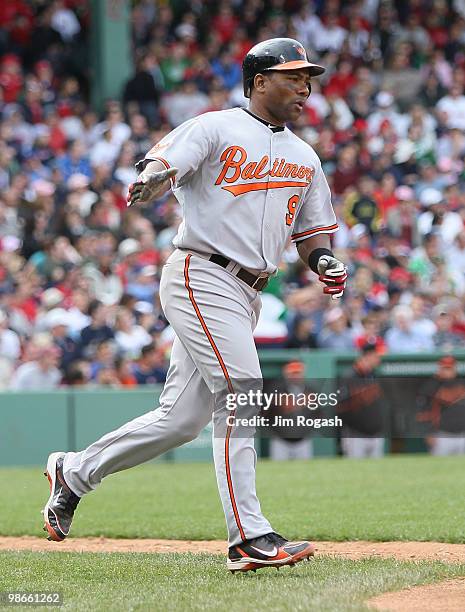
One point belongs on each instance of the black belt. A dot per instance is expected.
(256, 282)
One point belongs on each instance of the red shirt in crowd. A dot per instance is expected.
(345, 177)
(11, 79)
(385, 202)
(224, 24)
(16, 17)
(340, 84)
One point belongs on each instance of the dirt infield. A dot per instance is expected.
(447, 596)
(405, 551)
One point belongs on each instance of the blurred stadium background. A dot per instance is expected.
(86, 87)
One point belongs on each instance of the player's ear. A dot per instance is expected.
(259, 82)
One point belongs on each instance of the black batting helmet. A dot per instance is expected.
(275, 54)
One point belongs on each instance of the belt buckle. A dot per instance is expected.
(263, 276)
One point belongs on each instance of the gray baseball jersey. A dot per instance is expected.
(245, 189)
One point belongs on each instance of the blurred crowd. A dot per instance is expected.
(79, 272)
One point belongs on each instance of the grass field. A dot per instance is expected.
(200, 582)
(396, 498)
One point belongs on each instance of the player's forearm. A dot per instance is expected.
(151, 183)
(305, 247)
(153, 166)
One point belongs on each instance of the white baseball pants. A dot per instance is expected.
(448, 444)
(213, 314)
(359, 448)
(283, 450)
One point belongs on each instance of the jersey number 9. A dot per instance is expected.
(291, 206)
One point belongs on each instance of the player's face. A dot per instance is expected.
(447, 372)
(286, 93)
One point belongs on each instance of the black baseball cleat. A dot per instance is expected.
(270, 550)
(60, 507)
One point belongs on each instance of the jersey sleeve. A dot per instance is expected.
(316, 215)
(185, 148)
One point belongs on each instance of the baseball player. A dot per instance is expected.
(362, 406)
(442, 404)
(246, 185)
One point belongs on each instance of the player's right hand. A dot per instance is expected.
(149, 186)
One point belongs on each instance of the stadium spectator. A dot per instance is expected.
(436, 218)
(78, 374)
(129, 266)
(97, 331)
(105, 150)
(336, 334)
(403, 336)
(423, 324)
(227, 69)
(11, 77)
(40, 374)
(329, 37)
(75, 161)
(123, 370)
(10, 349)
(225, 23)
(401, 220)
(9, 341)
(103, 359)
(174, 65)
(64, 21)
(370, 334)
(386, 113)
(303, 334)
(452, 107)
(104, 282)
(144, 89)
(347, 171)
(140, 136)
(144, 285)
(387, 122)
(49, 300)
(455, 258)
(361, 207)
(445, 338)
(129, 337)
(114, 121)
(187, 102)
(106, 376)
(149, 369)
(56, 323)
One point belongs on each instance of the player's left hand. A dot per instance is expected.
(149, 186)
(333, 273)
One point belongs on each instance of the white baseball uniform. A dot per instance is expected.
(245, 189)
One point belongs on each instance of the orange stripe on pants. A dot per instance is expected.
(230, 388)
